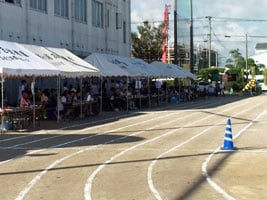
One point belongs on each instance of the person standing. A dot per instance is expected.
(222, 89)
(217, 89)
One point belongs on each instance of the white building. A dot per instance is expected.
(260, 56)
(82, 26)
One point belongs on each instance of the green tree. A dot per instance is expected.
(259, 68)
(236, 59)
(210, 73)
(239, 73)
(146, 44)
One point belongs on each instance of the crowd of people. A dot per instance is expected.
(117, 94)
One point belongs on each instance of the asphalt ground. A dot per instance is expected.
(168, 152)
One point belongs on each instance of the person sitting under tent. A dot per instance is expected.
(131, 103)
(22, 87)
(24, 100)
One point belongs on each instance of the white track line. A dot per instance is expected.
(150, 168)
(62, 135)
(23, 193)
(88, 186)
(215, 186)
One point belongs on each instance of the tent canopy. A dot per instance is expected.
(107, 65)
(112, 65)
(172, 70)
(69, 64)
(15, 60)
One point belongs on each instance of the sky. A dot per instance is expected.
(232, 18)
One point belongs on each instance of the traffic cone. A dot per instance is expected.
(228, 140)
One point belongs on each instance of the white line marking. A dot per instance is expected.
(215, 186)
(88, 186)
(38, 177)
(150, 168)
(56, 146)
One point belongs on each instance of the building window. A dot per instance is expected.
(97, 14)
(107, 18)
(18, 2)
(40, 5)
(62, 8)
(124, 32)
(118, 20)
(80, 11)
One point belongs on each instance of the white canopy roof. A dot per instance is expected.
(15, 60)
(69, 64)
(106, 65)
(172, 70)
(112, 65)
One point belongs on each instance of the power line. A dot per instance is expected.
(214, 19)
(223, 19)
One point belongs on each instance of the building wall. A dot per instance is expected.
(20, 23)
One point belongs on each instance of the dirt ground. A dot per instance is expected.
(168, 152)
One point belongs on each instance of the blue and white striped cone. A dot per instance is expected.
(228, 139)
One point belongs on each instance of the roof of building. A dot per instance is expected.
(261, 46)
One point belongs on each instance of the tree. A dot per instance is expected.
(236, 59)
(211, 74)
(146, 44)
(259, 68)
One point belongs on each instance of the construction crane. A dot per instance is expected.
(165, 28)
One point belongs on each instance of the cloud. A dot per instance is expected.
(229, 17)
(151, 10)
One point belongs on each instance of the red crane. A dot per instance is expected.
(165, 33)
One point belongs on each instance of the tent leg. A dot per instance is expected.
(2, 103)
(58, 97)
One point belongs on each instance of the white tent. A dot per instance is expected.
(107, 65)
(69, 64)
(15, 60)
(149, 70)
(112, 65)
(172, 70)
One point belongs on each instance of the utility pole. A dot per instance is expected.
(175, 32)
(209, 18)
(191, 39)
(246, 56)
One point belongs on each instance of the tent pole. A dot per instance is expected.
(166, 90)
(81, 98)
(101, 94)
(58, 96)
(2, 103)
(33, 95)
(148, 88)
(127, 92)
